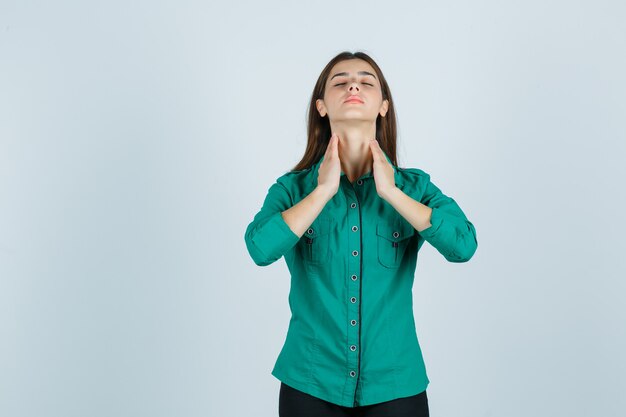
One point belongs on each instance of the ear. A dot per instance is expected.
(321, 108)
(384, 107)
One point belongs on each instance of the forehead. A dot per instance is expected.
(351, 67)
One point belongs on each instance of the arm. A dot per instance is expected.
(278, 226)
(302, 215)
(439, 220)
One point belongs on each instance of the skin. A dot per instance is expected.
(353, 124)
(353, 148)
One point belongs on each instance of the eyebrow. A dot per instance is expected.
(339, 74)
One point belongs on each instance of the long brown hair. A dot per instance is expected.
(318, 128)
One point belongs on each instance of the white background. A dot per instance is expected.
(138, 139)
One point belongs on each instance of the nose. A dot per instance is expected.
(354, 85)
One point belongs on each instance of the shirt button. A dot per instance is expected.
(355, 252)
(353, 299)
(352, 373)
(353, 348)
(396, 234)
(355, 228)
(353, 205)
(310, 231)
(359, 182)
(353, 322)
(353, 277)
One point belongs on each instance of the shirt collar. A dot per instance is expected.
(396, 173)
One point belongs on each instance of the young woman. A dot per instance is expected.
(349, 223)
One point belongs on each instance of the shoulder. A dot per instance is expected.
(413, 176)
(415, 182)
(291, 178)
(296, 183)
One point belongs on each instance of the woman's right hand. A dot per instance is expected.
(329, 171)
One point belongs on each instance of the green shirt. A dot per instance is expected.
(351, 338)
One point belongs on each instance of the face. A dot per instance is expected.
(354, 77)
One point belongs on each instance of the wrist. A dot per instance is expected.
(323, 192)
(390, 194)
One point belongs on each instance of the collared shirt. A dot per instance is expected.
(351, 338)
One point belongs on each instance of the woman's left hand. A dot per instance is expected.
(383, 171)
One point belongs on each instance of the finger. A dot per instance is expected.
(330, 144)
(380, 151)
(336, 146)
(376, 151)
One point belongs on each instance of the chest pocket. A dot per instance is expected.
(392, 240)
(316, 241)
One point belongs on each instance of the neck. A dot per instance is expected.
(354, 149)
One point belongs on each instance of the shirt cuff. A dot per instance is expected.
(275, 238)
(435, 224)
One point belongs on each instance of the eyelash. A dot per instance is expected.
(371, 85)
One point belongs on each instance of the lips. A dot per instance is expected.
(354, 99)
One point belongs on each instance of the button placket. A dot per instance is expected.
(354, 286)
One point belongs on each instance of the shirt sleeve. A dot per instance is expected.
(268, 237)
(451, 233)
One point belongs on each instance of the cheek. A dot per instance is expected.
(377, 95)
(332, 94)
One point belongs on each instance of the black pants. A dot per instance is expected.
(295, 403)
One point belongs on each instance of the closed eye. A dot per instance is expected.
(371, 85)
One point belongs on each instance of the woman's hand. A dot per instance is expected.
(329, 171)
(383, 171)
